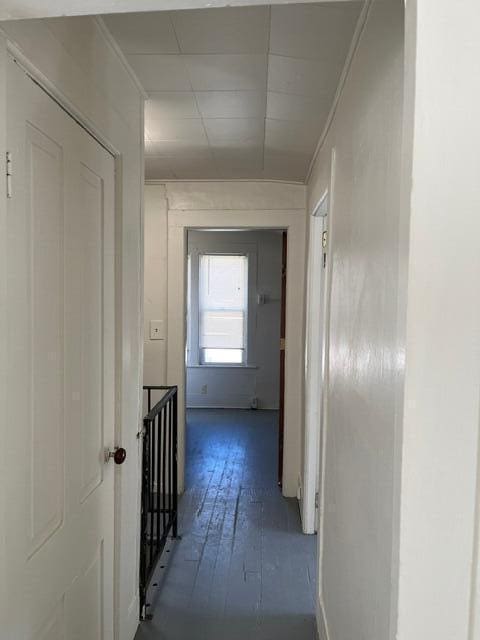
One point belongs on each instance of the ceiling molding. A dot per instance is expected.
(112, 43)
(362, 21)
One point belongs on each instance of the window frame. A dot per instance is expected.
(201, 350)
(249, 250)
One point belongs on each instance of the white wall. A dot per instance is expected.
(439, 554)
(82, 66)
(155, 283)
(235, 387)
(367, 259)
(240, 204)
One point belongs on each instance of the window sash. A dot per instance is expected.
(222, 356)
(222, 317)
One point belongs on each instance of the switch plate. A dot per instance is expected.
(156, 330)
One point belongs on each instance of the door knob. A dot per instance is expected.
(118, 454)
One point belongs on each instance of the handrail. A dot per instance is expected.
(162, 402)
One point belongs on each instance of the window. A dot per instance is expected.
(223, 308)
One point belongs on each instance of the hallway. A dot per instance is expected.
(242, 568)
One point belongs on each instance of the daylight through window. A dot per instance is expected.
(223, 295)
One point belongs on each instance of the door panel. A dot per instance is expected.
(44, 170)
(60, 292)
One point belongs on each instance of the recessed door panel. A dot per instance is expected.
(44, 172)
(86, 594)
(90, 263)
(54, 627)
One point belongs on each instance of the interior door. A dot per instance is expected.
(60, 407)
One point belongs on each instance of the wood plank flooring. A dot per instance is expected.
(242, 570)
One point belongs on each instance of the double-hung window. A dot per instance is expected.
(223, 308)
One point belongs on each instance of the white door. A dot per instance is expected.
(60, 406)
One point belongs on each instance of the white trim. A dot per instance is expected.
(359, 29)
(320, 210)
(58, 96)
(325, 381)
(153, 181)
(316, 283)
(295, 223)
(3, 325)
(321, 619)
(113, 44)
(222, 366)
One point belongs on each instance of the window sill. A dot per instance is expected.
(221, 366)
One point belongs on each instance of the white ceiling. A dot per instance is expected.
(16, 9)
(238, 92)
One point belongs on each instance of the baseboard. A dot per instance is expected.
(129, 626)
(322, 626)
(225, 405)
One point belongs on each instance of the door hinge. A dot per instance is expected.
(316, 500)
(324, 245)
(9, 174)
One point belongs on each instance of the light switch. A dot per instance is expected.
(156, 330)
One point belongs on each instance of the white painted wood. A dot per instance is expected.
(61, 359)
(112, 109)
(368, 250)
(315, 323)
(294, 223)
(439, 570)
(236, 195)
(4, 426)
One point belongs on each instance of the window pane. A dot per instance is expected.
(223, 284)
(222, 356)
(221, 329)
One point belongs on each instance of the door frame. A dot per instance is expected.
(8, 49)
(319, 278)
(314, 348)
(283, 321)
(294, 222)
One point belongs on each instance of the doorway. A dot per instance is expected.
(234, 308)
(179, 223)
(235, 347)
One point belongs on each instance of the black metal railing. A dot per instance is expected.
(159, 483)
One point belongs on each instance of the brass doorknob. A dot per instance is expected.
(119, 455)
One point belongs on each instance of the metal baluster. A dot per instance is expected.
(164, 452)
(170, 471)
(175, 465)
(159, 487)
(151, 488)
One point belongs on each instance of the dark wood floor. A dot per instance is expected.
(242, 570)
